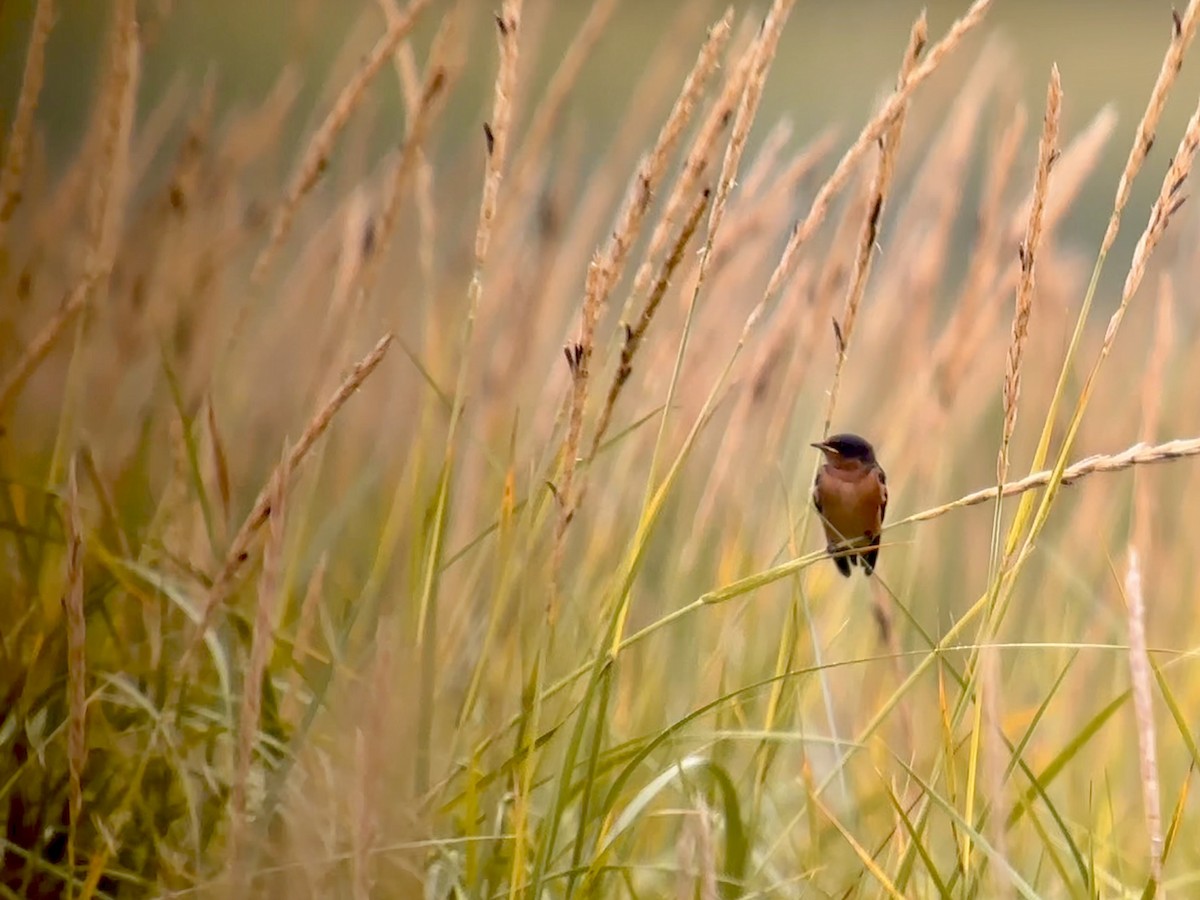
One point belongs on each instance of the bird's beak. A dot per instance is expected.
(821, 445)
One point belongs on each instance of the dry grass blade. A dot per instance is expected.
(1141, 531)
(640, 192)
(1142, 680)
(262, 641)
(952, 352)
(41, 345)
(76, 659)
(220, 461)
(634, 334)
(989, 717)
(1170, 199)
(699, 157)
(428, 106)
(306, 621)
(239, 548)
(606, 268)
(106, 201)
(496, 141)
(550, 106)
(12, 174)
(1140, 454)
(889, 145)
(1183, 31)
(412, 88)
(497, 136)
(1028, 252)
(805, 228)
(763, 55)
(316, 154)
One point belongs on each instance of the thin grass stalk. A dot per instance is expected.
(15, 156)
(1183, 31)
(1142, 680)
(1141, 531)
(306, 620)
(316, 154)
(76, 667)
(635, 334)
(763, 51)
(699, 156)
(548, 113)
(239, 548)
(974, 317)
(428, 107)
(868, 236)
(1140, 546)
(875, 128)
(497, 136)
(986, 689)
(1139, 454)
(261, 643)
(369, 741)
(43, 343)
(949, 353)
(606, 269)
(424, 190)
(1170, 198)
(106, 200)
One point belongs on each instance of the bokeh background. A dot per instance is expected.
(401, 603)
(834, 61)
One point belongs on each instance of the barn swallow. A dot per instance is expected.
(851, 496)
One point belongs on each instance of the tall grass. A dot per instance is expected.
(325, 575)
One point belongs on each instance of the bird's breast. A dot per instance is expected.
(851, 502)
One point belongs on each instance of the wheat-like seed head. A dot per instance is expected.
(1030, 246)
(868, 235)
(1183, 31)
(806, 227)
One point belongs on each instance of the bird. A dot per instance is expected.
(850, 494)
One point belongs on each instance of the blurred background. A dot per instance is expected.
(834, 61)
(400, 603)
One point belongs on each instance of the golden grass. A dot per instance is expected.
(501, 627)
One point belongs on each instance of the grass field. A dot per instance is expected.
(435, 521)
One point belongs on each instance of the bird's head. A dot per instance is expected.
(847, 449)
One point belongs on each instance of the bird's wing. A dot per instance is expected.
(883, 493)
